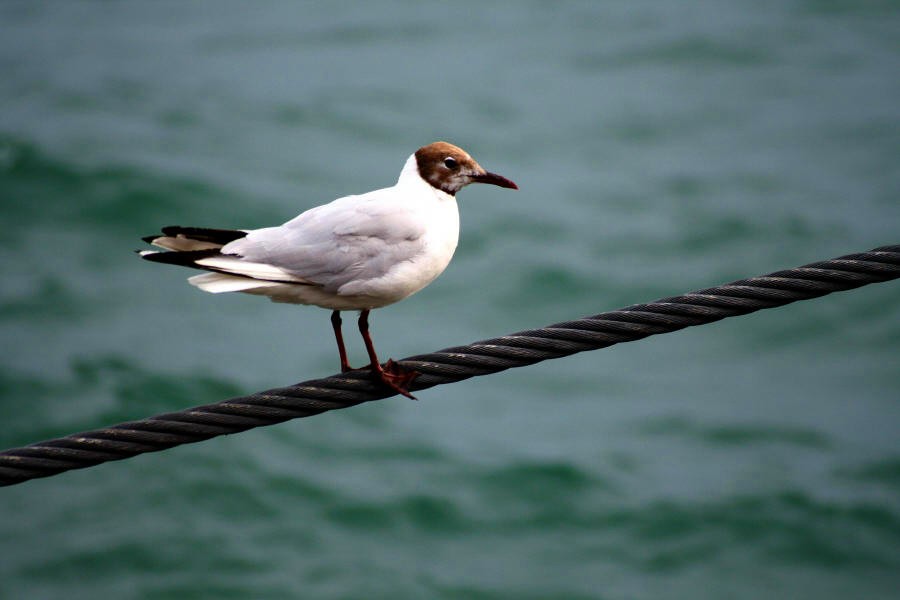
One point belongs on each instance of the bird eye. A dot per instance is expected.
(450, 162)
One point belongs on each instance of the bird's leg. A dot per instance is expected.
(392, 375)
(336, 324)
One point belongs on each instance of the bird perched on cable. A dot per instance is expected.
(354, 253)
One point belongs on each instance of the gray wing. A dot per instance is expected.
(351, 239)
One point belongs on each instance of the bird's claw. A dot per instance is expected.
(397, 377)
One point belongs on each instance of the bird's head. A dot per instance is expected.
(449, 168)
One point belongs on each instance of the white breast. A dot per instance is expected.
(439, 215)
(441, 238)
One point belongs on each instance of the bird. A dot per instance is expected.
(358, 252)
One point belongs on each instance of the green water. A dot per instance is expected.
(659, 147)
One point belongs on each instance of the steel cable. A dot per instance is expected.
(309, 398)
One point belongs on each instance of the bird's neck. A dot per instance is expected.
(410, 172)
(411, 178)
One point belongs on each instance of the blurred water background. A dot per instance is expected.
(660, 147)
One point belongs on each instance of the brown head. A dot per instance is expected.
(449, 168)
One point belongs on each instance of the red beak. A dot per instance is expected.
(494, 179)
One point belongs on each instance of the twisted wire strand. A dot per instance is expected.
(309, 398)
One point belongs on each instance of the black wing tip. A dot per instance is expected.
(183, 259)
(204, 234)
(173, 230)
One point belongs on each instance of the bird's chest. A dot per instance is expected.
(442, 235)
(438, 244)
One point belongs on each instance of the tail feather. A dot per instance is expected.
(217, 283)
(201, 249)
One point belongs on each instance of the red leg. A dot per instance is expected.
(336, 324)
(392, 375)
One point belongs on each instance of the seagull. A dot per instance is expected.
(354, 253)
